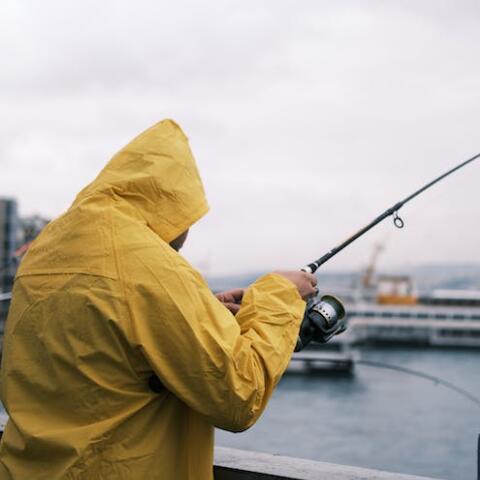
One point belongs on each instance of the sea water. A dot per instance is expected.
(377, 418)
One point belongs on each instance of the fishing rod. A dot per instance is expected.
(409, 371)
(324, 317)
(398, 222)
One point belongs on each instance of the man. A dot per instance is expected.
(103, 303)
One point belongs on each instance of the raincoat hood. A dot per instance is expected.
(156, 174)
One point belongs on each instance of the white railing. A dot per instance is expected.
(232, 464)
(5, 296)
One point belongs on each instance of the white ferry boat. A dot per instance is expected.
(390, 311)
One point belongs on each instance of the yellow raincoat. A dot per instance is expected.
(101, 302)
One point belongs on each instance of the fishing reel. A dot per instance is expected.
(323, 318)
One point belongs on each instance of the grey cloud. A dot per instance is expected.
(307, 118)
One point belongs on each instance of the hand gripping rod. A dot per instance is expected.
(312, 267)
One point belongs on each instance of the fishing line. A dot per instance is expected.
(416, 373)
(409, 371)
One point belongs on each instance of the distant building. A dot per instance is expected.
(30, 228)
(9, 229)
(8, 245)
(16, 235)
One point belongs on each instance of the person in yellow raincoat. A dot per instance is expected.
(102, 302)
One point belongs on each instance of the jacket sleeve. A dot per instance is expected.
(222, 366)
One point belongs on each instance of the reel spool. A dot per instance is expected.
(322, 320)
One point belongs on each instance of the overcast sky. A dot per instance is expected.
(307, 118)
